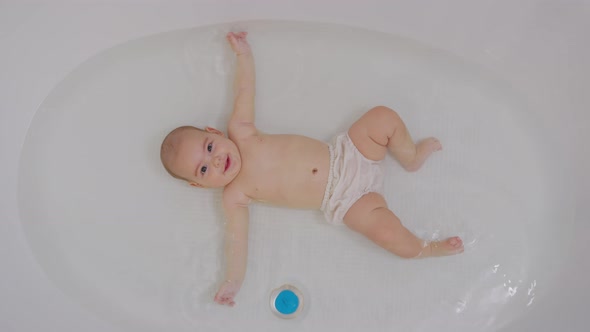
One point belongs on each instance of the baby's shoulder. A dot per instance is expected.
(234, 194)
(239, 131)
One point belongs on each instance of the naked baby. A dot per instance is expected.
(342, 179)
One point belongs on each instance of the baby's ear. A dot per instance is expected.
(213, 130)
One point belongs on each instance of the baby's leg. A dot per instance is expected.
(371, 217)
(381, 129)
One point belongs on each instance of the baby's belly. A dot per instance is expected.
(299, 180)
(301, 191)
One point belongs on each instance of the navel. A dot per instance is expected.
(314, 171)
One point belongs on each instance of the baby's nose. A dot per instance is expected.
(217, 161)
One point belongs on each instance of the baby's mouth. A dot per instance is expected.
(227, 164)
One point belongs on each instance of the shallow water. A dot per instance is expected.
(121, 237)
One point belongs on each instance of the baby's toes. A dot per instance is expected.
(435, 144)
(456, 242)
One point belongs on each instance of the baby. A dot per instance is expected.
(343, 179)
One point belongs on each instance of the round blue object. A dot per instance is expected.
(287, 302)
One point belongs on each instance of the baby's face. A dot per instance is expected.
(207, 159)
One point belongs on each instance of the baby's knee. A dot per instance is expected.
(383, 114)
(384, 237)
(384, 231)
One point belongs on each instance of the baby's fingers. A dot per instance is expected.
(224, 300)
(233, 36)
(241, 34)
(227, 301)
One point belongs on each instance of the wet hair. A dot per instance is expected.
(169, 148)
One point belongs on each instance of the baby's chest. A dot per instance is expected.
(264, 175)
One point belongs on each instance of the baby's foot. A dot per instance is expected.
(450, 246)
(423, 150)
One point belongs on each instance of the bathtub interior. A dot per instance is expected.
(142, 251)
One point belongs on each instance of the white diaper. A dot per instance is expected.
(351, 176)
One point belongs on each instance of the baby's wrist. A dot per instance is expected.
(243, 53)
(235, 282)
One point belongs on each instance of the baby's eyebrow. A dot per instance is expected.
(205, 144)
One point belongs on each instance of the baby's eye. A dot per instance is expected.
(203, 169)
(210, 147)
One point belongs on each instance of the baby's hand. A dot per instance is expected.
(238, 42)
(226, 293)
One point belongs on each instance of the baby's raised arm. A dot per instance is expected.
(242, 119)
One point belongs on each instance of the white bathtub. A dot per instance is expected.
(540, 47)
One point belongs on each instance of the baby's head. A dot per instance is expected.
(203, 158)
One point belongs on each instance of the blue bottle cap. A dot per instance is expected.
(287, 302)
